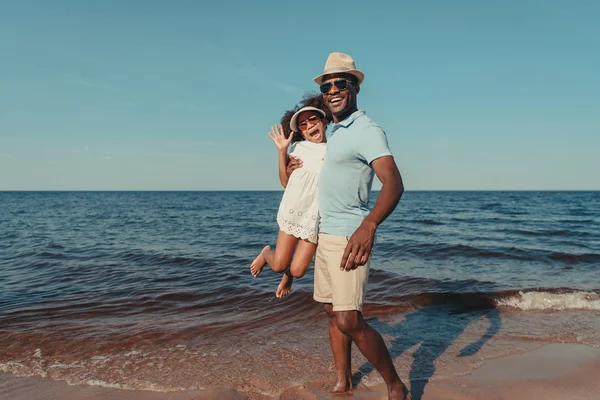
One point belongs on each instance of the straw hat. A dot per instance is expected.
(340, 63)
(294, 120)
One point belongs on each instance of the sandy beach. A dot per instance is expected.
(550, 371)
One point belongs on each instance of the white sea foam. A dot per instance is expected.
(78, 373)
(133, 385)
(58, 364)
(11, 366)
(552, 301)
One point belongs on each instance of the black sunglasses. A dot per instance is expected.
(341, 84)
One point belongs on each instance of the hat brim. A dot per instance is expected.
(358, 74)
(294, 119)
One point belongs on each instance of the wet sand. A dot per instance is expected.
(552, 371)
(15, 388)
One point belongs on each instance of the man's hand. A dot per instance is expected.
(293, 163)
(358, 249)
(360, 244)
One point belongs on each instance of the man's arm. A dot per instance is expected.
(292, 164)
(358, 249)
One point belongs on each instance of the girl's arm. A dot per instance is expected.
(282, 144)
(283, 161)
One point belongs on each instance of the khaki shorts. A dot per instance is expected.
(344, 289)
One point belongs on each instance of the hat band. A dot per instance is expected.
(337, 69)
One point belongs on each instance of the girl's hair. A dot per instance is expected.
(309, 100)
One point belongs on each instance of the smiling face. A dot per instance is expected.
(311, 126)
(341, 102)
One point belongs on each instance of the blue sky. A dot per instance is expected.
(179, 95)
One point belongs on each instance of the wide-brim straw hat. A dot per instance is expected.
(340, 63)
(294, 120)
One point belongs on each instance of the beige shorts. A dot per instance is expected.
(344, 289)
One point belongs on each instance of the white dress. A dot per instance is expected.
(299, 209)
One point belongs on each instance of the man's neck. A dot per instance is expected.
(340, 117)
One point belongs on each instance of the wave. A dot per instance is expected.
(575, 220)
(551, 300)
(534, 300)
(51, 255)
(575, 258)
(491, 206)
(394, 294)
(162, 259)
(445, 250)
(548, 233)
(428, 222)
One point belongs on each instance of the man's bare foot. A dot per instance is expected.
(398, 392)
(342, 384)
(259, 262)
(285, 286)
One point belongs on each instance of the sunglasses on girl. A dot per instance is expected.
(304, 124)
(341, 84)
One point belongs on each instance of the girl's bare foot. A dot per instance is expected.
(259, 262)
(342, 384)
(285, 286)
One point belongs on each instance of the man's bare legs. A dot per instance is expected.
(371, 345)
(341, 346)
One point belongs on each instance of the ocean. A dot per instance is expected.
(152, 290)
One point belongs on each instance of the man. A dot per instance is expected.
(356, 150)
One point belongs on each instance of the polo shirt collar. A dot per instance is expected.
(348, 121)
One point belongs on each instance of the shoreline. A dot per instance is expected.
(550, 371)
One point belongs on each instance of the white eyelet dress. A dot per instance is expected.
(299, 209)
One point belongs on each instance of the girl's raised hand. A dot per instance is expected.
(279, 139)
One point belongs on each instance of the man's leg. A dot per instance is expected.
(340, 343)
(341, 346)
(347, 294)
(371, 345)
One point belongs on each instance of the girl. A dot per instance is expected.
(298, 215)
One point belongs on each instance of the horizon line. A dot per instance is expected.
(282, 190)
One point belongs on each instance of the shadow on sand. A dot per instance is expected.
(435, 328)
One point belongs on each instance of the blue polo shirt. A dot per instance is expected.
(347, 175)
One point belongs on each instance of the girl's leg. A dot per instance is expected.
(302, 258)
(279, 259)
(285, 286)
(300, 264)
